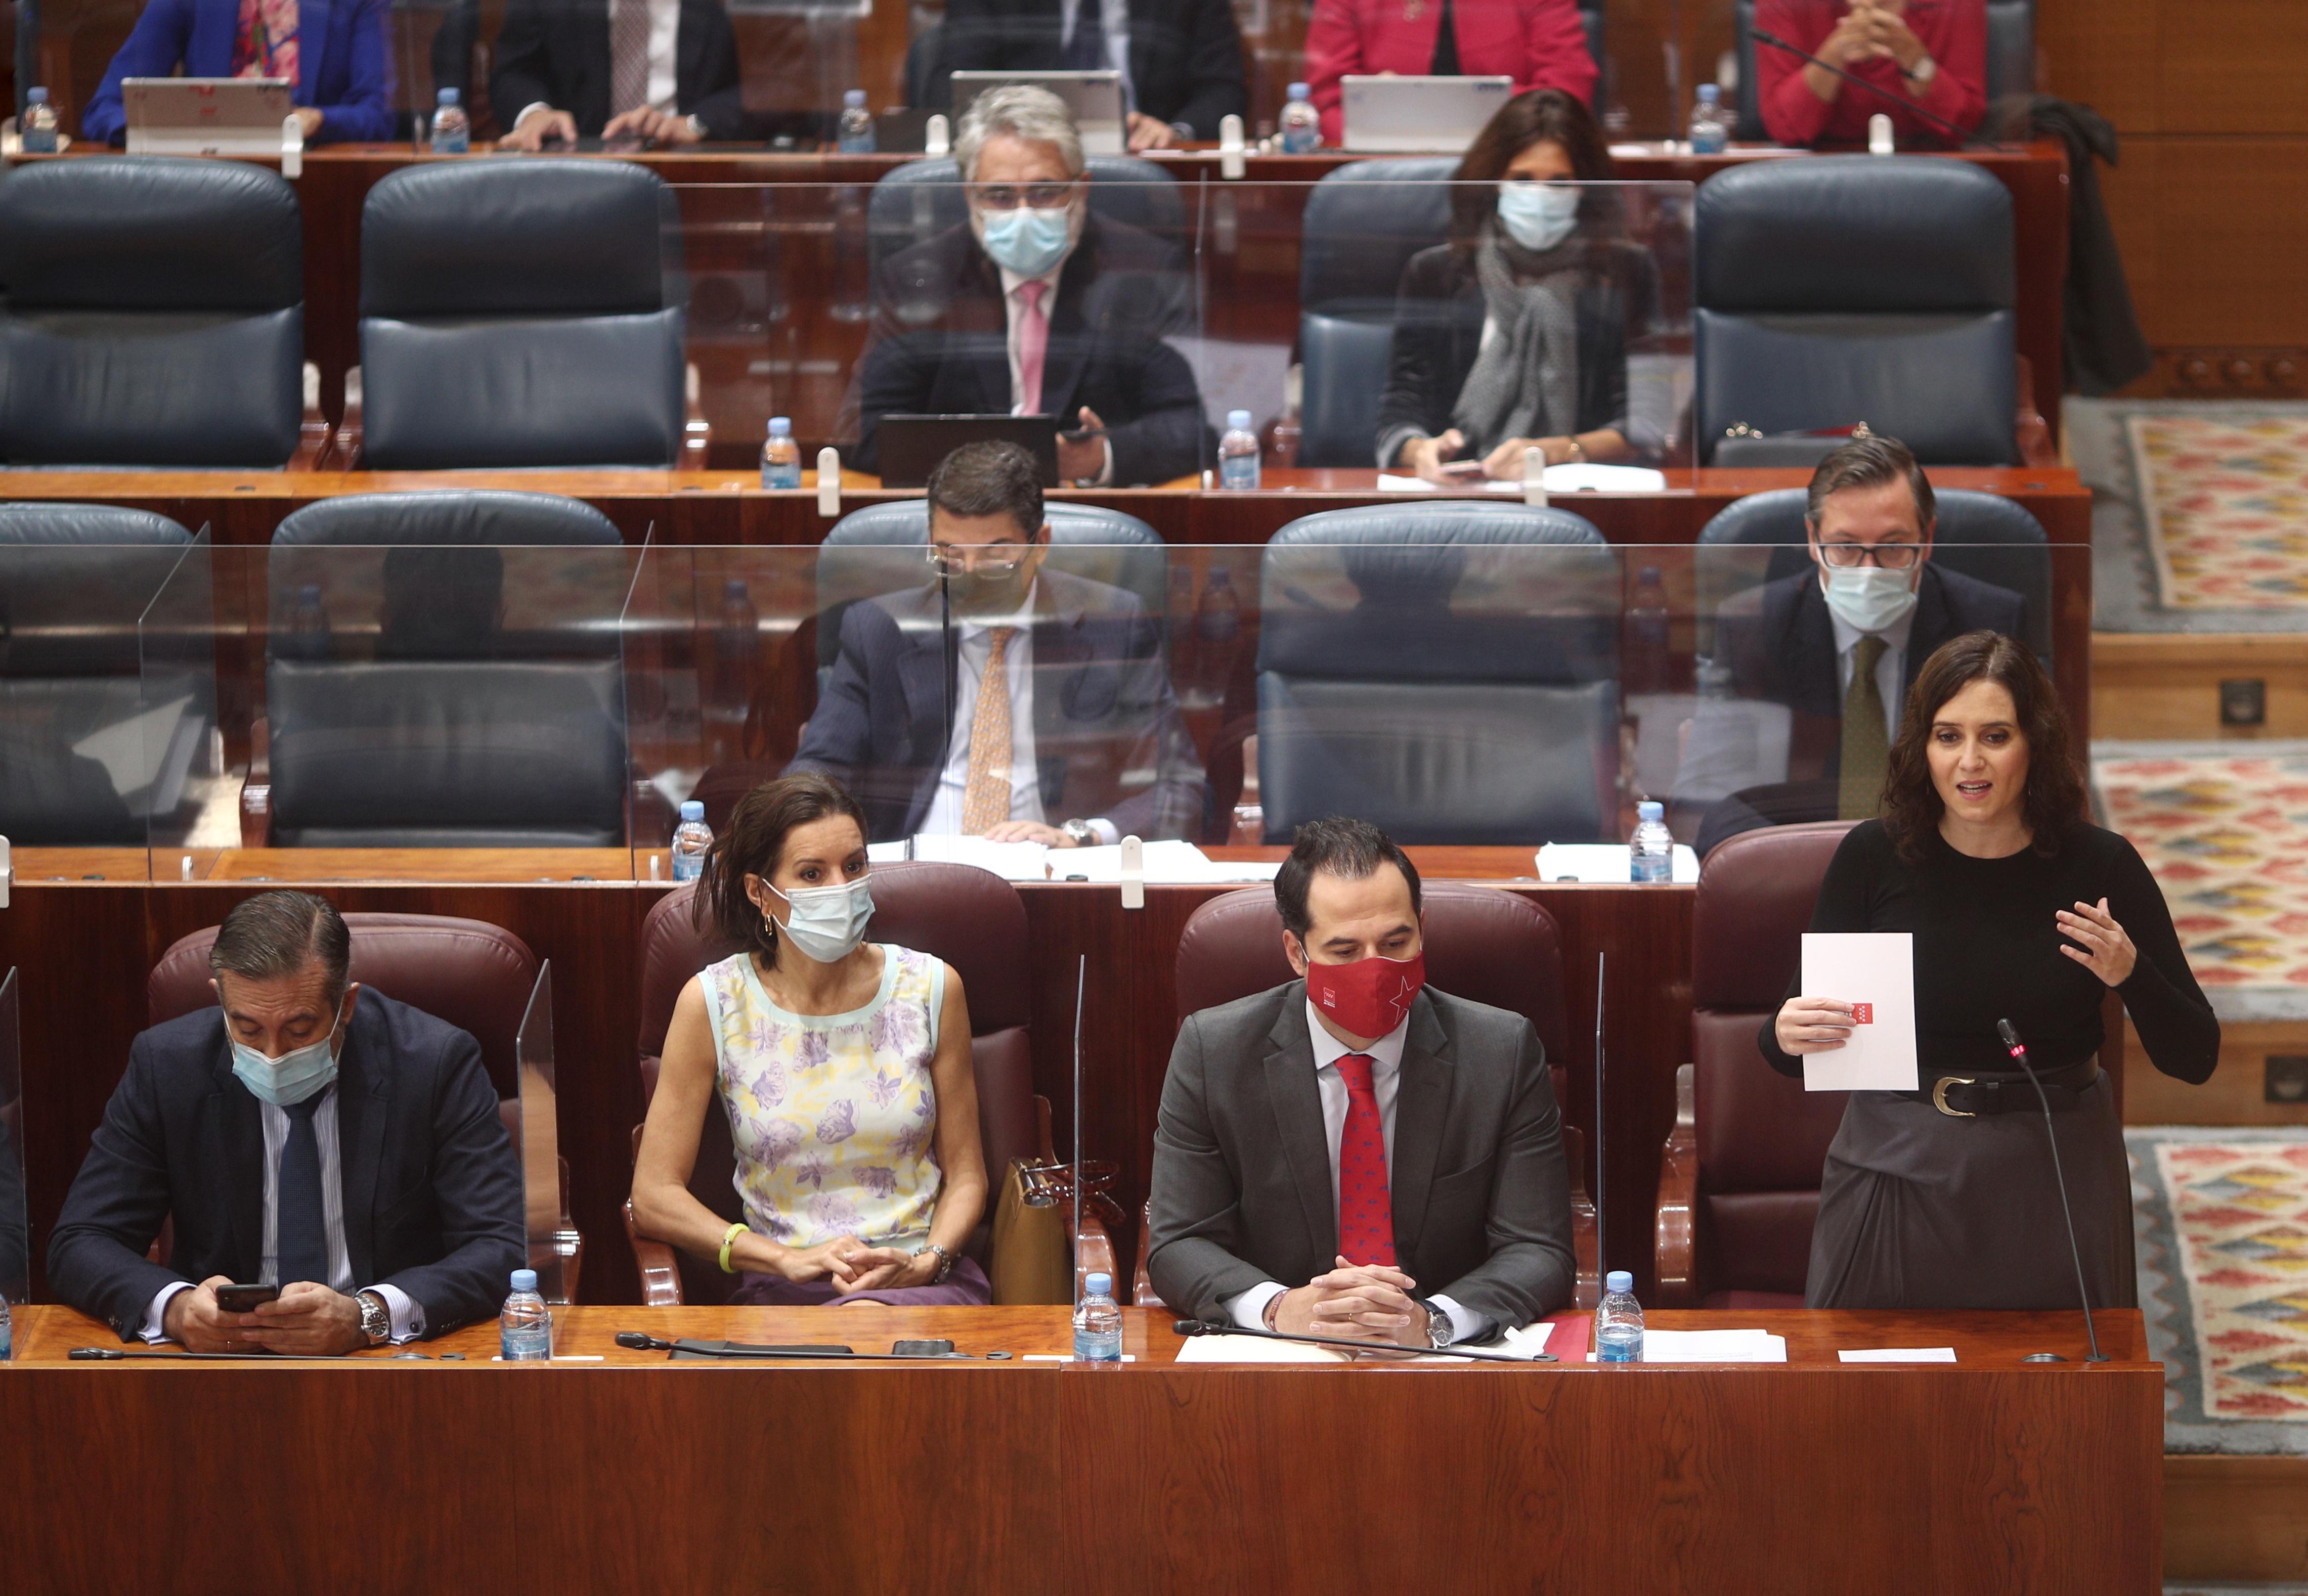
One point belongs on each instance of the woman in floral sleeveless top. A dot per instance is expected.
(843, 1066)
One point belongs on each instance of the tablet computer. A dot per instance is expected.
(911, 446)
(1419, 116)
(205, 115)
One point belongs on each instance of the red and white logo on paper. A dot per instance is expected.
(1863, 1014)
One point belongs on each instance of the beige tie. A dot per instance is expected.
(1865, 755)
(986, 795)
(629, 67)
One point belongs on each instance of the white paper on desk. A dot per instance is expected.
(1012, 861)
(1254, 1348)
(1163, 862)
(1560, 479)
(1712, 1346)
(1898, 1355)
(889, 853)
(1878, 969)
(1604, 862)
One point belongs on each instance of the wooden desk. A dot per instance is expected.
(1989, 1475)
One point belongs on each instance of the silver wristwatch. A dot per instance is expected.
(1438, 1328)
(376, 1319)
(1924, 72)
(945, 1261)
(696, 127)
(1081, 832)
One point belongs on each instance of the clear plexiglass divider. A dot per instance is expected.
(553, 1248)
(1346, 316)
(15, 1224)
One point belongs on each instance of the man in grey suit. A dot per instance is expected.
(1353, 1154)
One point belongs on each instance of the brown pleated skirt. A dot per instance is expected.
(1919, 1209)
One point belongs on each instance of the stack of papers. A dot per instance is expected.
(1712, 1346)
(1604, 861)
(1012, 861)
(1528, 1342)
(1898, 1355)
(1170, 862)
(1560, 479)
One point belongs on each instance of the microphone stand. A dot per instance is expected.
(1193, 1327)
(1762, 36)
(640, 1341)
(2019, 1050)
(123, 1355)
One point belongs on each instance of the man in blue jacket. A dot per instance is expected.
(335, 53)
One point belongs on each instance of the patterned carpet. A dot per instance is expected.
(2224, 826)
(2222, 1224)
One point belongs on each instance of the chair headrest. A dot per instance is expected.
(1964, 517)
(465, 516)
(465, 973)
(1482, 944)
(150, 233)
(1756, 891)
(1854, 233)
(1365, 220)
(1438, 523)
(86, 525)
(904, 523)
(517, 236)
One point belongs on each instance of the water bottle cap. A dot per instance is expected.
(1648, 574)
(780, 426)
(692, 810)
(38, 97)
(1710, 93)
(310, 593)
(447, 97)
(1238, 421)
(1099, 1285)
(853, 97)
(735, 587)
(1650, 808)
(524, 1279)
(1221, 578)
(1618, 1280)
(1298, 91)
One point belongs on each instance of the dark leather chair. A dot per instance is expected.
(467, 972)
(1852, 289)
(152, 314)
(919, 199)
(1483, 944)
(1980, 535)
(458, 733)
(1439, 707)
(2011, 57)
(1362, 223)
(520, 311)
(74, 581)
(1739, 1179)
(970, 918)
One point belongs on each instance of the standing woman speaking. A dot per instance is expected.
(1945, 1198)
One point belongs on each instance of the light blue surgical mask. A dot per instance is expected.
(1538, 215)
(1027, 240)
(291, 1077)
(827, 923)
(1868, 598)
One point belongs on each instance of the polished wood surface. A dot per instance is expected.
(1988, 1475)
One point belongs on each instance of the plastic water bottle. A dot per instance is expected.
(692, 840)
(1218, 637)
(525, 1328)
(1711, 131)
(38, 129)
(1238, 452)
(1619, 1321)
(1650, 852)
(1301, 123)
(452, 130)
(308, 626)
(780, 456)
(854, 134)
(1647, 666)
(1098, 1323)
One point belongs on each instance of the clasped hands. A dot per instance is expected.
(1426, 457)
(853, 1267)
(1354, 1302)
(1872, 30)
(308, 1320)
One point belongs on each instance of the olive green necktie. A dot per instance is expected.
(1859, 794)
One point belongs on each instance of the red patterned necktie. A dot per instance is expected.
(1366, 1208)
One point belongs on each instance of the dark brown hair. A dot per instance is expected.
(1346, 847)
(1527, 119)
(989, 477)
(279, 933)
(749, 845)
(2055, 799)
(1870, 462)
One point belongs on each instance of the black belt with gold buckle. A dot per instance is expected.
(1967, 1097)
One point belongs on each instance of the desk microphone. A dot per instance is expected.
(1934, 118)
(123, 1355)
(2019, 1050)
(1193, 1327)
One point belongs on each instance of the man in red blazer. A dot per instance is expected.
(1540, 43)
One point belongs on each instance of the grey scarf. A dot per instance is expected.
(1525, 380)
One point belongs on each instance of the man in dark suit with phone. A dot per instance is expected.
(1181, 59)
(1353, 1154)
(660, 69)
(1036, 306)
(304, 1134)
(1065, 729)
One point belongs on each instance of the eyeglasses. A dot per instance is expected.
(1890, 556)
(1006, 196)
(984, 559)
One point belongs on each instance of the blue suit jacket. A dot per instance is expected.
(432, 1190)
(344, 62)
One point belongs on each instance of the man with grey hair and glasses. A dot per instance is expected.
(304, 1135)
(1037, 307)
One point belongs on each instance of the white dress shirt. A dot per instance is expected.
(408, 1317)
(1890, 669)
(664, 46)
(1385, 1054)
(1013, 308)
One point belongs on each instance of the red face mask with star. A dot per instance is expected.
(1368, 997)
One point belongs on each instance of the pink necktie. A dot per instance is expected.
(1033, 346)
(1365, 1207)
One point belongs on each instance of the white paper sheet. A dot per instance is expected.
(1560, 479)
(1876, 971)
(1712, 1346)
(1170, 861)
(1528, 1342)
(1898, 1355)
(1012, 861)
(1604, 861)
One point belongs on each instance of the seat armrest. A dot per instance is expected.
(345, 448)
(2031, 432)
(1675, 1251)
(1142, 1293)
(313, 433)
(696, 432)
(660, 1276)
(256, 791)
